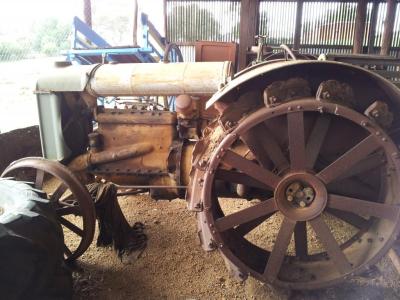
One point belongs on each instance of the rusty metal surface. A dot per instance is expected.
(314, 197)
(161, 164)
(82, 201)
(134, 116)
(385, 66)
(272, 70)
(216, 51)
(87, 160)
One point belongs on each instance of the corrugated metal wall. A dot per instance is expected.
(380, 26)
(396, 34)
(327, 26)
(190, 20)
(272, 16)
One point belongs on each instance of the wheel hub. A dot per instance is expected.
(301, 196)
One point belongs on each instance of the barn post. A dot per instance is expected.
(361, 16)
(297, 29)
(165, 21)
(388, 27)
(135, 23)
(87, 12)
(372, 27)
(249, 13)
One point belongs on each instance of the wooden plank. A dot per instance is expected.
(388, 27)
(361, 16)
(248, 28)
(156, 35)
(298, 25)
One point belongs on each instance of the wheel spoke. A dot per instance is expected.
(246, 215)
(300, 239)
(252, 139)
(252, 169)
(39, 179)
(245, 228)
(63, 211)
(68, 202)
(71, 226)
(349, 159)
(57, 194)
(316, 139)
(241, 178)
(349, 217)
(277, 255)
(363, 207)
(351, 187)
(372, 162)
(260, 140)
(331, 246)
(297, 148)
(67, 252)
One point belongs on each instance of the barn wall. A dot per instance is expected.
(327, 26)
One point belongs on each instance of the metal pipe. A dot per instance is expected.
(120, 153)
(126, 187)
(154, 79)
(83, 161)
(289, 51)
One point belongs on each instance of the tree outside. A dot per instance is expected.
(46, 38)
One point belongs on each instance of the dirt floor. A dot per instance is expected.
(174, 266)
(19, 143)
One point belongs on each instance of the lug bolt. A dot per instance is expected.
(302, 204)
(289, 198)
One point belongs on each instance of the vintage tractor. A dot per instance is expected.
(292, 166)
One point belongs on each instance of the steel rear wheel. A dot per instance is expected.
(318, 168)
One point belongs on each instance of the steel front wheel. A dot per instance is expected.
(71, 200)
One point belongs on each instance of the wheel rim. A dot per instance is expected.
(78, 203)
(337, 260)
(172, 53)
